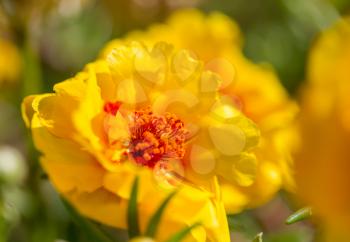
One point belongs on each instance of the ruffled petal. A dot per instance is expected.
(68, 166)
(27, 110)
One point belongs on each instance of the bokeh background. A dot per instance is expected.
(55, 38)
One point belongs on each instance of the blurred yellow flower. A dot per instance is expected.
(254, 89)
(153, 112)
(322, 165)
(10, 61)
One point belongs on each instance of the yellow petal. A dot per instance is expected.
(240, 170)
(88, 109)
(101, 206)
(184, 65)
(228, 139)
(202, 160)
(55, 113)
(116, 127)
(229, 130)
(234, 199)
(121, 180)
(27, 109)
(66, 164)
(152, 65)
(130, 91)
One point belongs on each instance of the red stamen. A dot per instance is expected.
(155, 138)
(112, 107)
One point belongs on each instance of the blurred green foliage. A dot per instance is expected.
(280, 32)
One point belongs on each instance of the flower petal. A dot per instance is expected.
(68, 166)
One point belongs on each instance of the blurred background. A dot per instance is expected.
(50, 40)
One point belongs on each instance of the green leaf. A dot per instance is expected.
(183, 233)
(258, 238)
(93, 234)
(155, 220)
(244, 223)
(299, 215)
(133, 223)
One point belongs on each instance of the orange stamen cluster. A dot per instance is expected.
(155, 138)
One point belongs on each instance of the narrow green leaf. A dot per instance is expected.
(299, 215)
(182, 234)
(155, 220)
(133, 223)
(93, 234)
(258, 238)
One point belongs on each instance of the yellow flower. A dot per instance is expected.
(255, 89)
(322, 165)
(10, 61)
(153, 112)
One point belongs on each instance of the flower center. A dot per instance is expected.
(156, 137)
